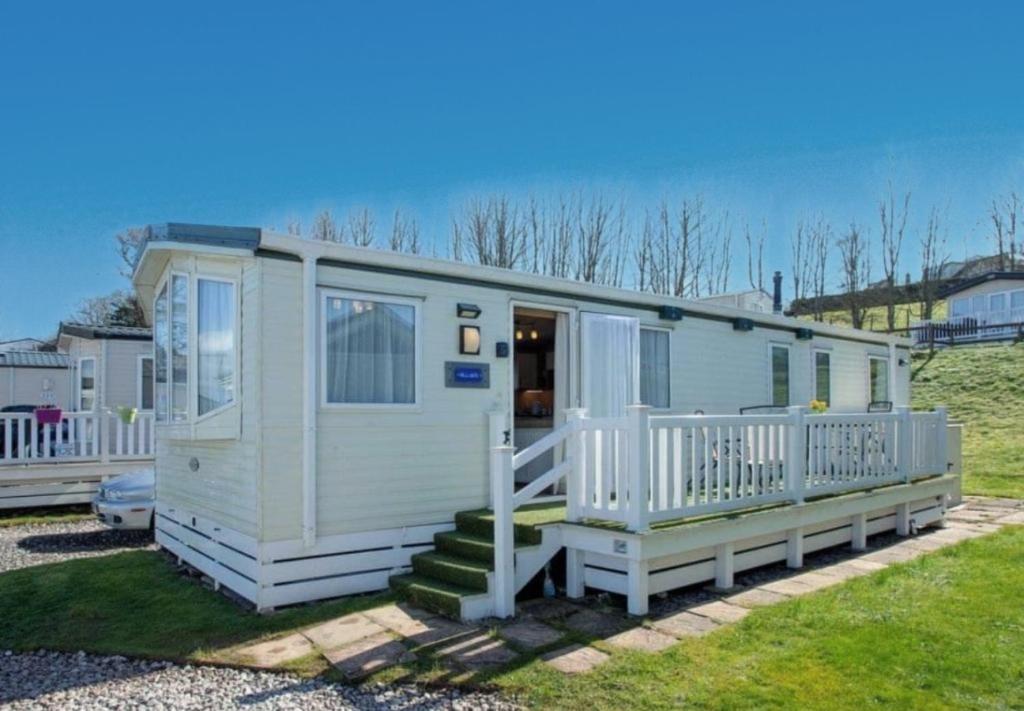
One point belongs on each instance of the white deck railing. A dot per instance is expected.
(643, 469)
(79, 437)
(991, 325)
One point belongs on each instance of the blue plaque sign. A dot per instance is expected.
(467, 375)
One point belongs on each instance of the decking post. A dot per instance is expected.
(576, 452)
(796, 453)
(639, 474)
(942, 444)
(905, 443)
(639, 587)
(725, 565)
(859, 532)
(497, 423)
(574, 573)
(795, 548)
(504, 531)
(104, 436)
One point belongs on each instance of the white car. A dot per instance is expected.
(127, 501)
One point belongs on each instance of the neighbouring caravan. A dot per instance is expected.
(33, 378)
(110, 366)
(324, 412)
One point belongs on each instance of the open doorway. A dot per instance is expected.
(540, 382)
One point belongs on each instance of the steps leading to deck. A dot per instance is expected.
(455, 579)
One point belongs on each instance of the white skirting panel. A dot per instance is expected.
(279, 573)
(59, 484)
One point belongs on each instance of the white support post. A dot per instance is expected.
(502, 491)
(639, 587)
(639, 474)
(576, 452)
(497, 426)
(904, 443)
(309, 401)
(104, 436)
(859, 532)
(942, 444)
(795, 548)
(574, 573)
(725, 565)
(796, 454)
(903, 520)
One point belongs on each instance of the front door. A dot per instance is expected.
(610, 363)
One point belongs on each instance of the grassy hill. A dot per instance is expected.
(906, 314)
(983, 386)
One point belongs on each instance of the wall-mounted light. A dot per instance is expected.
(901, 362)
(519, 334)
(533, 334)
(804, 334)
(469, 340)
(742, 324)
(467, 310)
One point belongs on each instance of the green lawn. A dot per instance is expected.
(59, 514)
(875, 320)
(983, 386)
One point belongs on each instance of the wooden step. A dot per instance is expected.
(465, 545)
(431, 594)
(463, 572)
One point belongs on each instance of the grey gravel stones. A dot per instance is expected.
(36, 544)
(52, 680)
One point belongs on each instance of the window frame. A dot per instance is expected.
(78, 383)
(417, 305)
(139, 386)
(668, 332)
(192, 277)
(888, 379)
(814, 373)
(772, 345)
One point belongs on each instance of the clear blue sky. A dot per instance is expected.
(121, 114)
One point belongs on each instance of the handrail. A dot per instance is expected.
(549, 441)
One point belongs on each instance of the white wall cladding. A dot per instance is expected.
(121, 371)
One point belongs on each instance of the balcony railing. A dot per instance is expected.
(79, 437)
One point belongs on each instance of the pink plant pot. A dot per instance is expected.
(48, 415)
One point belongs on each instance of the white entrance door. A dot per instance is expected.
(610, 363)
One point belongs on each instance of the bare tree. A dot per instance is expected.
(325, 229)
(856, 272)
(800, 254)
(601, 241)
(294, 228)
(820, 245)
(119, 308)
(643, 257)
(405, 235)
(713, 256)
(893, 219)
(755, 256)
(490, 233)
(1004, 213)
(933, 259)
(560, 247)
(361, 229)
(129, 242)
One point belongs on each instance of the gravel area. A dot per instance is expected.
(53, 680)
(35, 544)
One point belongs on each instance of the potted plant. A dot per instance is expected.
(127, 414)
(48, 415)
(818, 407)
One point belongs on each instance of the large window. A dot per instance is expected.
(177, 359)
(86, 384)
(780, 376)
(145, 396)
(655, 368)
(215, 351)
(369, 350)
(823, 376)
(878, 372)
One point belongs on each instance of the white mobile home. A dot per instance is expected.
(32, 378)
(328, 414)
(989, 307)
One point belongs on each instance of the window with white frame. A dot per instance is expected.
(780, 375)
(960, 308)
(369, 350)
(86, 384)
(823, 376)
(878, 379)
(210, 359)
(145, 395)
(655, 367)
(1017, 300)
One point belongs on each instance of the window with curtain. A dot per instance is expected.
(160, 326)
(215, 350)
(370, 354)
(179, 347)
(780, 376)
(655, 368)
(823, 376)
(86, 384)
(960, 308)
(879, 379)
(145, 383)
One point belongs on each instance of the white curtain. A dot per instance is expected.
(216, 347)
(654, 368)
(611, 363)
(371, 352)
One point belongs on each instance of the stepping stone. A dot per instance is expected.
(756, 597)
(547, 609)
(685, 624)
(480, 650)
(843, 571)
(642, 639)
(276, 652)
(436, 630)
(925, 543)
(720, 611)
(596, 624)
(976, 527)
(868, 566)
(369, 655)
(575, 659)
(530, 634)
(972, 515)
(893, 554)
(341, 631)
(789, 586)
(419, 627)
(1012, 519)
